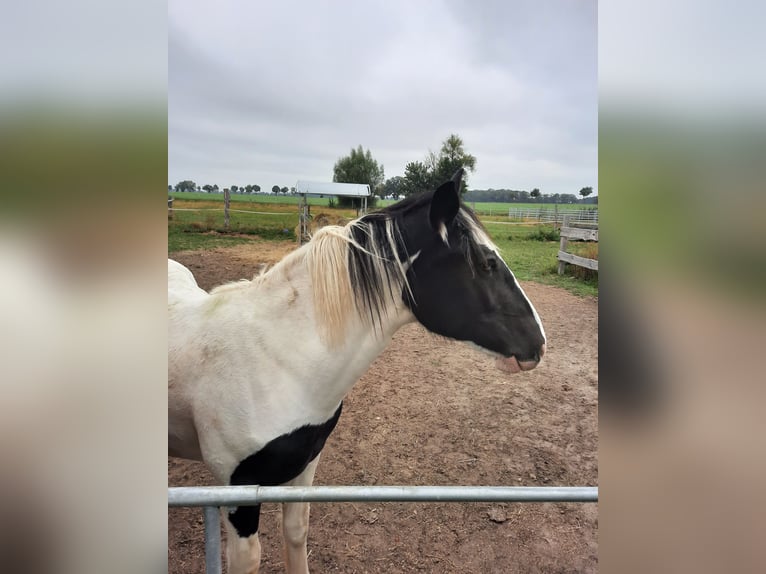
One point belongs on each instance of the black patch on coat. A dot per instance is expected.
(278, 462)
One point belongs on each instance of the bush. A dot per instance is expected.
(356, 202)
(544, 234)
(332, 203)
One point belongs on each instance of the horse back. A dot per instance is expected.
(182, 287)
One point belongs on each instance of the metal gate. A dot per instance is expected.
(213, 497)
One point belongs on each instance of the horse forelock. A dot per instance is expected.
(473, 236)
(359, 263)
(476, 231)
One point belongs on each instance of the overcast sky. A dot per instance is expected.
(270, 93)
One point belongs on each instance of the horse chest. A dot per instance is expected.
(286, 456)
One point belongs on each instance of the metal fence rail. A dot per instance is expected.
(550, 215)
(212, 497)
(250, 495)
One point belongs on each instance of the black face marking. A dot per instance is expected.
(463, 292)
(279, 461)
(460, 289)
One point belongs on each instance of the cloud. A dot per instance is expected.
(273, 95)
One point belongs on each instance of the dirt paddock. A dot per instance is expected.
(433, 411)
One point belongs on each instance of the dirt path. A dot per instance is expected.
(433, 411)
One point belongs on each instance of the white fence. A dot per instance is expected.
(553, 215)
(212, 497)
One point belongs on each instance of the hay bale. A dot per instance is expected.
(321, 220)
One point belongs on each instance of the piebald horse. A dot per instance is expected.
(258, 369)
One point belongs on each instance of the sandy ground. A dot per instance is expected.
(433, 411)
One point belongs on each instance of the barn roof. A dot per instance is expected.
(331, 188)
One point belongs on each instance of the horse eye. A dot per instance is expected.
(490, 264)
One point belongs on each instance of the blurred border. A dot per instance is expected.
(83, 157)
(682, 144)
(83, 153)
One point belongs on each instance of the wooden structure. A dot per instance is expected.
(226, 203)
(582, 234)
(320, 188)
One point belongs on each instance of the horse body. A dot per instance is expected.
(279, 375)
(258, 369)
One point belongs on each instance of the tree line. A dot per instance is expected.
(522, 196)
(419, 175)
(360, 167)
(188, 185)
(427, 174)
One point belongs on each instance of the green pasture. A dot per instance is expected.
(501, 208)
(484, 207)
(530, 259)
(247, 198)
(535, 260)
(200, 224)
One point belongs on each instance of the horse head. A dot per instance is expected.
(459, 285)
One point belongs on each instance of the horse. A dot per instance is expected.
(258, 370)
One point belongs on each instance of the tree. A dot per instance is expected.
(275, 189)
(292, 190)
(234, 188)
(534, 193)
(207, 187)
(432, 162)
(417, 178)
(438, 168)
(586, 191)
(452, 157)
(215, 187)
(170, 187)
(186, 185)
(257, 188)
(284, 190)
(568, 198)
(393, 187)
(358, 167)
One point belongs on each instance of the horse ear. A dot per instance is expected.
(445, 202)
(457, 178)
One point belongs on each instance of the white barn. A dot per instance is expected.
(331, 188)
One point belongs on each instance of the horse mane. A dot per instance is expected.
(356, 269)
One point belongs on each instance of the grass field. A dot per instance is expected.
(247, 198)
(197, 224)
(534, 260)
(483, 207)
(530, 259)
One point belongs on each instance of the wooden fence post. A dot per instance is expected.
(226, 198)
(563, 244)
(170, 208)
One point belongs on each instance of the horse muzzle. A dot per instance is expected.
(513, 365)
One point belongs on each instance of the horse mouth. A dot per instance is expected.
(513, 365)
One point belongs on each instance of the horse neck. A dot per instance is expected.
(326, 370)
